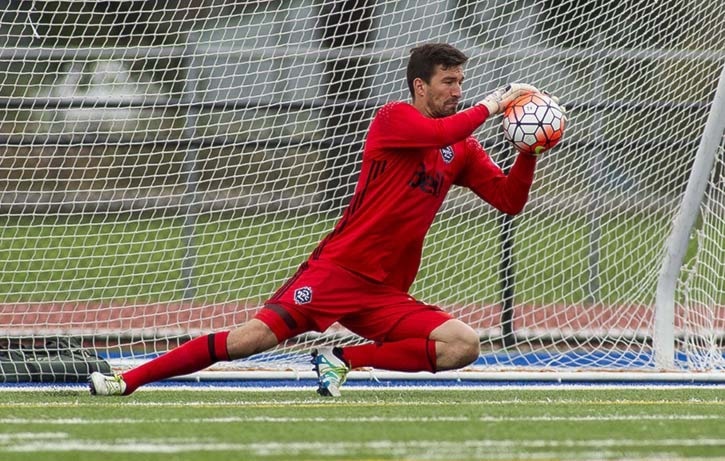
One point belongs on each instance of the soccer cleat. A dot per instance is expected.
(331, 371)
(101, 384)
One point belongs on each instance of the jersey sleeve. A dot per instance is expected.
(400, 125)
(507, 193)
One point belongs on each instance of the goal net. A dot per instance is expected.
(166, 166)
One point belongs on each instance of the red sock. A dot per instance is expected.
(415, 354)
(191, 356)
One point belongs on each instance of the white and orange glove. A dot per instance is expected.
(556, 100)
(498, 100)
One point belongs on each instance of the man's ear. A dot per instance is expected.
(419, 87)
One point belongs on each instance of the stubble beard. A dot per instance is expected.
(451, 108)
(446, 111)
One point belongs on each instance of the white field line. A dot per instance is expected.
(417, 448)
(486, 386)
(5, 437)
(234, 419)
(374, 419)
(320, 402)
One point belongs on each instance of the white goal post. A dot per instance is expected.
(676, 247)
(165, 166)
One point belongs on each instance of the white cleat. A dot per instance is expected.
(101, 384)
(331, 371)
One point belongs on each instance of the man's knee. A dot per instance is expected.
(457, 345)
(468, 347)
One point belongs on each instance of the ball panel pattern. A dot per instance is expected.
(533, 123)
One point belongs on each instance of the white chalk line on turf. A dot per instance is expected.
(388, 447)
(233, 419)
(373, 419)
(319, 402)
(484, 386)
(4, 437)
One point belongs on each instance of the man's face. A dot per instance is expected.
(442, 95)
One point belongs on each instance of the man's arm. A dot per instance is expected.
(507, 193)
(400, 125)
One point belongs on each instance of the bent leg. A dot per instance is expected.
(412, 354)
(449, 346)
(416, 339)
(277, 321)
(199, 353)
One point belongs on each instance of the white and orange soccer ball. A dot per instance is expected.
(534, 123)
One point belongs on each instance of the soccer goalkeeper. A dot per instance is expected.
(360, 274)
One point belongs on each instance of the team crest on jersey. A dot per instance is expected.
(447, 154)
(303, 295)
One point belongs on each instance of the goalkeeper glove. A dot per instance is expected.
(502, 97)
(556, 100)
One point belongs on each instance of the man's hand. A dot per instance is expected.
(556, 100)
(502, 97)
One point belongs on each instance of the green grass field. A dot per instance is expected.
(136, 259)
(440, 424)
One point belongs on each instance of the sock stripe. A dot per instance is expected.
(283, 314)
(212, 347)
(430, 352)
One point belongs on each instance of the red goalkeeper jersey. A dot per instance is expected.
(409, 163)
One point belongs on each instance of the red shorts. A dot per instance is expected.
(322, 293)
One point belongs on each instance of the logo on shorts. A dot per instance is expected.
(447, 154)
(303, 295)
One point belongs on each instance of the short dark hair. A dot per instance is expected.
(425, 58)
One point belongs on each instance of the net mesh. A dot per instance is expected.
(165, 166)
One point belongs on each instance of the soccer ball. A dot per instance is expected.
(533, 123)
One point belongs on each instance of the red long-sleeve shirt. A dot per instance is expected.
(409, 163)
